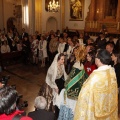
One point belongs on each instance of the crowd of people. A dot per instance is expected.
(83, 79)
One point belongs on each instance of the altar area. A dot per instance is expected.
(103, 16)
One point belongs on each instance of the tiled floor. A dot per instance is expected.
(28, 80)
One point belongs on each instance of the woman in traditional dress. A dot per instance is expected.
(54, 82)
(66, 101)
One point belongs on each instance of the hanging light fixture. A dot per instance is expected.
(53, 6)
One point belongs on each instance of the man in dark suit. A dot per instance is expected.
(24, 34)
(40, 113)
(110, 49)
(101, 41)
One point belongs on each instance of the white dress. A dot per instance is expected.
(34, 46)
(43, 48)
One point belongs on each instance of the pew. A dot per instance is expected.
(8, 57)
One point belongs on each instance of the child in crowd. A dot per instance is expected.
(89, 65)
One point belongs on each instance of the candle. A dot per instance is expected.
(90, 24)
(96, 24)
(118, 26)
(93, 24)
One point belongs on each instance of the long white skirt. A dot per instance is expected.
(66, 108)
(60, 100)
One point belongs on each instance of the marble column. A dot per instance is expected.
(31, 6)
(38, 15)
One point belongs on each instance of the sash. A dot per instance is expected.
(74, 83)
(75, 79)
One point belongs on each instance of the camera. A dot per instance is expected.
(4, 80)
(18, 99)
(22, 105)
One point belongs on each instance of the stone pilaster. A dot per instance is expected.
(92, 10)
(118, 12)
(62, 8)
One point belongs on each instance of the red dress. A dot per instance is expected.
(89, 67)
(11, 116)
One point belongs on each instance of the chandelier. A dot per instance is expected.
(53, 6)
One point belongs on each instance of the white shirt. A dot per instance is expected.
(69, 51)
(61, 47)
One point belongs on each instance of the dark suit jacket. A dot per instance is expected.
(24, 35)
(117, 71)
(41, 115)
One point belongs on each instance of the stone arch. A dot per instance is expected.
(11, 23)
(51, 24)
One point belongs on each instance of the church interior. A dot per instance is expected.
(94, 17)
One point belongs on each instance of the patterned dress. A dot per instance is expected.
(47, 91)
